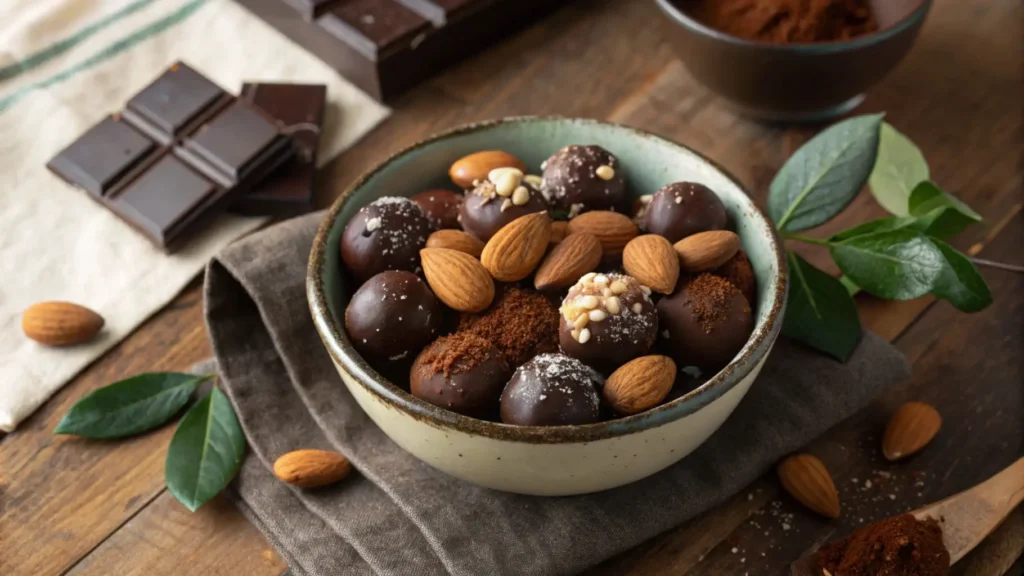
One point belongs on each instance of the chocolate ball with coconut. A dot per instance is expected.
(386, 234)
(505, 195)
(579, 179)
(552, 390)
(607, 320)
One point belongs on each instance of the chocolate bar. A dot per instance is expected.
(388, 46)
(179, 154)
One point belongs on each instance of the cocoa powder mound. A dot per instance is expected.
(897, 546)
(521, 324)
(709, 296)
(457, 353)
(788, 21)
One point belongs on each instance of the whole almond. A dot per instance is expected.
(639, 384)
(456, 240)
(515, 250)
(476, 166)
(60, 323)
(457, 279)
(706, 250)
(651, 260)
(312, 468)
(807, 480)
(575, 256)
(912, 427)
(614, 230)
(559, 230)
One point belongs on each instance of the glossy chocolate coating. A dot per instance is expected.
(441, 207)
(392, 316)
(473, 383)
(386, 234)
(708, 342)
(552, 390)
(739, 272)
(572, 182)
(684, 208)
(482, 215)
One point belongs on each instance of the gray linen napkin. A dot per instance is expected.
(400, 516)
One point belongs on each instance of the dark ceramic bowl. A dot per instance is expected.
(795, 82)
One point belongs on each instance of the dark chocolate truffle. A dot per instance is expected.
(739, 273)
(386, 234)
(705, 323)
(584, 178)
(607, 320)
(493, 203)
(392, 316)
(441, 207)
(684, 208)
(463, 373)
(552, 390)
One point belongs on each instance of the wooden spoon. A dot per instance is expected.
(966, 518)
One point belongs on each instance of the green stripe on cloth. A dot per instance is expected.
(58, 48)
(107, 53)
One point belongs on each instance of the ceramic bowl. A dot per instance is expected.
(794, 82)
(546, 460)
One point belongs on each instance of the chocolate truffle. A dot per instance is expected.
(463, 373)
(607, 320)
(493, 203)
(386, 234)
(739, 273)
(584, 178)
(705, 323)
(552, 390)
(684, 208)
(520, 323)
(392, 316)
(441, 207)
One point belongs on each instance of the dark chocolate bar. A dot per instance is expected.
(388, 46)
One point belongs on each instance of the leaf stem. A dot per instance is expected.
(999, 265)
(807, 239)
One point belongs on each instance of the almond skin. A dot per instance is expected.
(60, 323)
(559, 230)
(515, 250)
(639, 384)
(456, 240)
(651, 260)
(476, 166)
(706, 250)
(912, 427)
(807, 480)
(457, 279)
(614, 230)
(312, 468)
(575, 256)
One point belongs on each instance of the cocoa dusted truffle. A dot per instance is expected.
(503, 197)
(705, 323)
(552, 390)
(392, 316)
(386, 234)
(607, 320)
(738, 271)
(684, 208)
(584, 178)
(520, 323)
(441, 207)
(461, 372)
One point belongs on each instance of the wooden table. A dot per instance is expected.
(69, 506)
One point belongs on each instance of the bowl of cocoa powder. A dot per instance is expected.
(793, 60)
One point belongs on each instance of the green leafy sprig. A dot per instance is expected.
(899, 257)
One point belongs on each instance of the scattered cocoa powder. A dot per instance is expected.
(709, 295)
(788, 21)
(521, 324)
(457, 353)
(738, 271)
(897, 546)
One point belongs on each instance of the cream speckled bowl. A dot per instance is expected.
(547, 460)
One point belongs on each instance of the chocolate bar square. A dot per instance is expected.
(98, 158)
(165, 108)
(236, 140)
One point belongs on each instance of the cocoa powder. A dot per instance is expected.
(709, 296)
(457, 353)
(788, 21)
(521, 324)
(897, 546)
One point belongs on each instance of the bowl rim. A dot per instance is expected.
(908, 21)
(345, 355)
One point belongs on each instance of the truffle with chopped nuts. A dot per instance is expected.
(683, 209)
(392, 316)
(386, 234)
(506, 195)
(461, 372)
(584, 178)
(552, 390)
(607, 320)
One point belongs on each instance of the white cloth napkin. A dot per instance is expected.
(64, 64)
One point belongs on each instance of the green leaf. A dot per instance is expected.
(960, 282)
(880, 225)
(820, 311)
(899, 167)
(938, 213)
(825, 174)
(895, 264)
(206, 451)
(130, 406)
